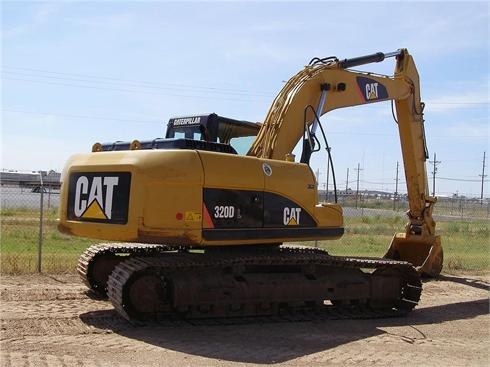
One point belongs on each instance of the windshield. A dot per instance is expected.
(242, 144)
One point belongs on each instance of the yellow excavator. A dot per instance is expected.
(198, 230)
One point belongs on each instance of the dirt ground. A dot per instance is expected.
(51, 321)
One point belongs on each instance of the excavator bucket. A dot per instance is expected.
(425, 255)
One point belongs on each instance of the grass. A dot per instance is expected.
(466, 243)
(19, 243)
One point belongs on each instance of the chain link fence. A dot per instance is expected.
(30, 241)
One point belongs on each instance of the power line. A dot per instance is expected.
(206, 96)
(377, 183)
(395, 135)
(137, 85)
(82, 116)
(459, 179)
(458, 103)
(125, 82)
(94, 78)
(404, 182)
(80, 77)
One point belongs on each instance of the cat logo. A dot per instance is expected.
(371, 90)
(291, 216)
(99, 197)
(98, 205)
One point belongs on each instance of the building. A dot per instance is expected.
(32, 180)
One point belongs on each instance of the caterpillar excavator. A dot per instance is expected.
(198, 230)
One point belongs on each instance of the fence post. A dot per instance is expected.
(40, 242)
(49, 197)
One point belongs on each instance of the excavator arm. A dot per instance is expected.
(328, 84)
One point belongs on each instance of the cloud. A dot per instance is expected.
(459, 100)
(473, 129)
(443, 28)
(40, 16)
(248, 49)
(106, 21)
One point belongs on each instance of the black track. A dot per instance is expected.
(163, 262)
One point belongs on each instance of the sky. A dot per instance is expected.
(76, 73)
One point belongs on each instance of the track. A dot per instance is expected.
(98, 261)
(159, 282)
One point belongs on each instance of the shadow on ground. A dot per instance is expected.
(273, 342)
(476, 283)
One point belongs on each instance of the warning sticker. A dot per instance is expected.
(192, 217)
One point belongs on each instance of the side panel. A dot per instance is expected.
(231, 171)
(137, 196)
(280, 211)
(251, 201)
(172, 198)
(294, 186)
(233, 208)
(233, 217)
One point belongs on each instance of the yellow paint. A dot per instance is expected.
(94, 211)
(292, 222)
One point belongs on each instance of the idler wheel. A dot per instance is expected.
(99, 273)
(147, 295)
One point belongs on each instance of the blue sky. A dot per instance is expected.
(74, 73)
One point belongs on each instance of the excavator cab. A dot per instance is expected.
(211, 127)
(209, 132)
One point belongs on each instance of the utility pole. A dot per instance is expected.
(328, 177)
(434, 170)
(483, 175)
(358, 169)
(317, 174)
(347, 181)
(395, 198)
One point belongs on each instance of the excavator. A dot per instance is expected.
(196, 230)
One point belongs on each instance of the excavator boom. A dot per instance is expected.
(329, 84)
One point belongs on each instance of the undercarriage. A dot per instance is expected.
(152, 282)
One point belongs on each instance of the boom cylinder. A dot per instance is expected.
(367, 59)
